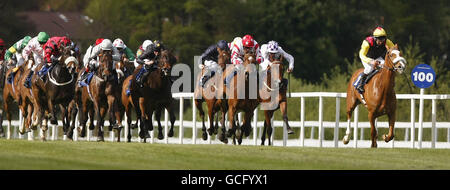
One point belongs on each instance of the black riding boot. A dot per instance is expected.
(28, 80)
(361, 83)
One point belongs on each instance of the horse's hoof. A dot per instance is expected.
(141, 134)
(204, 136)
(386, 139)
(34, 127)
(239, 141)
(160, 136)
(91, 127)
(345, 140)
(117, 126)
(230, 133)
(170, 134)
(54, 122)
(133, 126)
(100, 139)
(21, 132)
(210, 131)
(290, 131)
(110, 128)
(28, 130)
(83, 132)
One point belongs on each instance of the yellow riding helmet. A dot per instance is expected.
(378, 32)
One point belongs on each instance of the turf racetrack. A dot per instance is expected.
(55, 155)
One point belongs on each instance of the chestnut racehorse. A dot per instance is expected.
(247, 103)
(279, 87)
(379, 95)
(214, 100)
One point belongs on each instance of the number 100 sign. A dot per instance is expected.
(423, 76)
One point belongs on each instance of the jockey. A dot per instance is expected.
(209, 59)
(123, 49)
(16, 50)
(148, 58)
(34, 47)
(2, 49)
(239, 47)
(90, 58)
(142, 48)
(272, 48)
(373, 50)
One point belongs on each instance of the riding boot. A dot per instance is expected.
(140, 79)
(11, 77)
(28, 80)
(229, 77)
(361, 83)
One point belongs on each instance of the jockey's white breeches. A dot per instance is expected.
(369, 68)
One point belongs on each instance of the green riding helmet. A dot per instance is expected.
(25, 41)
(43, 37)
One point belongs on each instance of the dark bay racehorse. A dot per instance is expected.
(57, 88)
(214, 100)
(379, 95)
(280, 87)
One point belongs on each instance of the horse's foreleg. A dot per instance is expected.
(158, 120)
(198, 105)
(390, 135)
(351, 105)
(373, 130)
(222, 130)
(172, 119)
(52, 111)
(211, 113)
(283, 109)
(144, 128)
(231, 122)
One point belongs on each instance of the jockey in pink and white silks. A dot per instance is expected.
(239, 47)
(273, 48)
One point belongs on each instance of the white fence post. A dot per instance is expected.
(181, 129)
(194, 122)
(255, 128)
(125, 132)
(302, 122)
(336, 127)
(355, 128)
(166, 126)
(433, 124)
(320, 135)
(421, 117)
(413, 121)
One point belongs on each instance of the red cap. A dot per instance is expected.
(2, 43)
(98, 41)
(247, 41)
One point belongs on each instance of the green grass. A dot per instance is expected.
(36, 155)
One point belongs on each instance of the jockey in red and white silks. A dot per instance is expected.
(238, 48)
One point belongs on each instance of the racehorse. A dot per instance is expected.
(379, 95)
(56, 87)
(247, 104)
(279, 87)
(12, 92)
(214, 100)
(100, 94)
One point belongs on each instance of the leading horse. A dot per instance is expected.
(379, 95)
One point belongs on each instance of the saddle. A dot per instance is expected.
(86, 82)
(44, 70)
(369, 76)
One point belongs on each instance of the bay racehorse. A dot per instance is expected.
(56, 87)
(212, 94)
(379, 95)
(273, 82)
(100, 95)
(245, 103)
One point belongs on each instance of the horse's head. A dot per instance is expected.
(224, 58)
(166, 61)
(277, 60)
(249, 58)
(106, 64)
(394, 59)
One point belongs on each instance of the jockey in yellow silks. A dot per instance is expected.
(373, 49)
